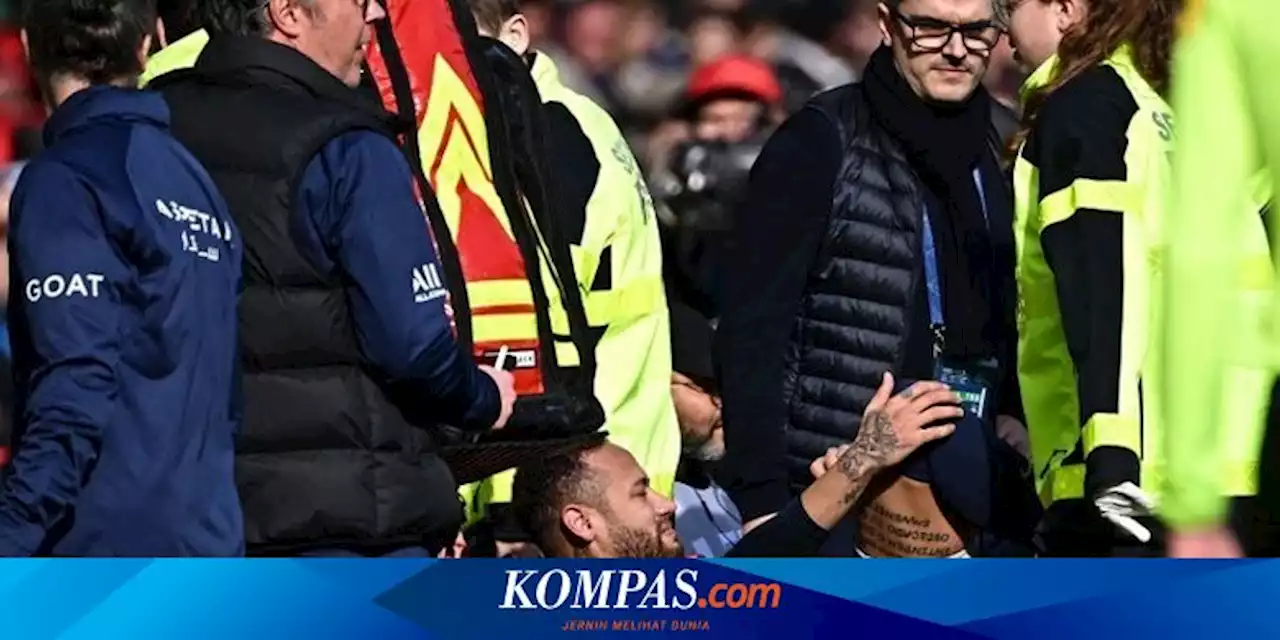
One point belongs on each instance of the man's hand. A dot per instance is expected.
(894, 427)
(506, 391)
(1217, 542)
(457, 550)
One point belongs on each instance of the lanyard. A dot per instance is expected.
(932, 282)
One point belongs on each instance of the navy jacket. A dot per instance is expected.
(356, 209)
(125, 267)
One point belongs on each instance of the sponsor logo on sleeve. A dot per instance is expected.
(427, 285)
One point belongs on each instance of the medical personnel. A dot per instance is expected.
(126, 267)
(606, 213)
(1090, 181)
(1219, 284)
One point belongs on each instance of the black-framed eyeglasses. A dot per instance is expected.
(931, 35)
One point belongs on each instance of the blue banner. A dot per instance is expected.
(780, 599)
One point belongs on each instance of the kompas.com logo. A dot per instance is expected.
(614, 589)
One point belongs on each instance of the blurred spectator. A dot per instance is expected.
(586, 46)
(731, 105)
(711, 35)
(649, 82)
(7, 183)
(802, 36)
(1004, 75)
(733, 98)
(20, 110)
(729, 99)
(539, 15)
(859, 35)
(8, 180)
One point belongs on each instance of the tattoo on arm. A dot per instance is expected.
(869, 451)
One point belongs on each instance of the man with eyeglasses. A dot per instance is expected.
(876, 238)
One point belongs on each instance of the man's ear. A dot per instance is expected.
(515, 34)
(144, 51)
(886, 24)
(576, 520)
(1070, 13)
(286, 16)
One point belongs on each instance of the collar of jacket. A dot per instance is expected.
(179, 55)
(279, 65)
(102, 102)
(544, 71)
(1048, 70)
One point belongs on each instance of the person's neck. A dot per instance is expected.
(63, 87)
(589, 552)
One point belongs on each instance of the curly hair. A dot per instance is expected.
(1148, 26)
(543, 487)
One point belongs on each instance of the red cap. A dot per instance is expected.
(734, 74)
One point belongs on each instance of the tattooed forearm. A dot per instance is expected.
(859, 469)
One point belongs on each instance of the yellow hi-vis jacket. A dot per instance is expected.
(633, 355)
(1090, 186)
(181, 54)
(1222, 309)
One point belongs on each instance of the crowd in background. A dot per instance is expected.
(633, 57)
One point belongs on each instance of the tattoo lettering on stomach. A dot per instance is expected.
(902, 523)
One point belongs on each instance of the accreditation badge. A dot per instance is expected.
(973, 380)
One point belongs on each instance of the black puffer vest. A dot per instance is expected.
(326, 458)
(861, 313)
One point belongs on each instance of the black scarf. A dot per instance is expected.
(944, 144)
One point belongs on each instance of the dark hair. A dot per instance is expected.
(234, 17)
(97, 40)
(490, 14)
(179, 18)
(1147, 25)
(541, 488)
